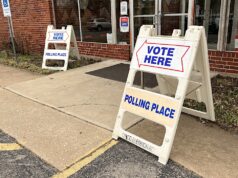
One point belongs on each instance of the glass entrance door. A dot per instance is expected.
(165, 15)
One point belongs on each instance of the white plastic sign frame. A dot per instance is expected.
(166, 56)
(56, 37)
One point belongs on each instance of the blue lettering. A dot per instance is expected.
(163, 50)
(137, 102)
(171, 52)
(58, 36)
(156, 50)
(154, 58)
(150, 48)
(172, 113)
(153, 107)
(160, 61)
(168, 62)
(162, 111)
(157, 109)
(147, 105)
(167, 112)
(147, 59)
(130, 100)
(142, 103)
(126, 98)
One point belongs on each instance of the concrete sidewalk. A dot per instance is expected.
(10, 75)
(93, 94)
(79, 93)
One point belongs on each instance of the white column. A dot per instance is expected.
(234, 26)
(114, 21)
(223, 25)
(207, 16)
(132, 37)
(190, 12)
(80, 22)
(53, 12)
(182, 22)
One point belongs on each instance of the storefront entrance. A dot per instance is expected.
(165, 15)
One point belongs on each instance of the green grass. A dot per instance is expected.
(33, 63)
(225, 98)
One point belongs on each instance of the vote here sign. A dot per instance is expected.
(162, 56)
(158, 108)
(58, 36)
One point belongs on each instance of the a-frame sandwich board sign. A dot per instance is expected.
(164, 56)
(65, 44)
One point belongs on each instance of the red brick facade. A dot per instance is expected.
(226, 62)
(4, 34)
(30, 20)
(105, 50)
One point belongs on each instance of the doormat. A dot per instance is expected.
(119, 72)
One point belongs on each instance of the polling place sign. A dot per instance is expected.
(180, 59)
(58, 36)
(62, 40)
(6, 8)
(59, 54)
(159, 108)
(169, 57)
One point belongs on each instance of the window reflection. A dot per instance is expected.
(214, 18)
(95, 18)
(66, 13)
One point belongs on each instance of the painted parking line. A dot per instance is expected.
(9, 146)
(89, 157)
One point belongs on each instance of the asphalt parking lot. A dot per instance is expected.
(123, 160)
(18, 162)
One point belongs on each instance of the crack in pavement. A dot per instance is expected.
(87, 104)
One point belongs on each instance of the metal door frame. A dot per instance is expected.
(157, 16)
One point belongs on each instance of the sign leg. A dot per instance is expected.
(12, 36)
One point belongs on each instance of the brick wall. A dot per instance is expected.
(4, 34)
(226, 62)
(30, 21)
(105, 50)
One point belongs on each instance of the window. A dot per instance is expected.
(95, 18)
(66, 13)
(122, 37)
(233, 25)
(173, 15)
(208, 14)
(212, 17)
(171, 19)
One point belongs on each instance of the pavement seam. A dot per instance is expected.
(55, 108)
(9, 146)
(85, 160)
(65, 112)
